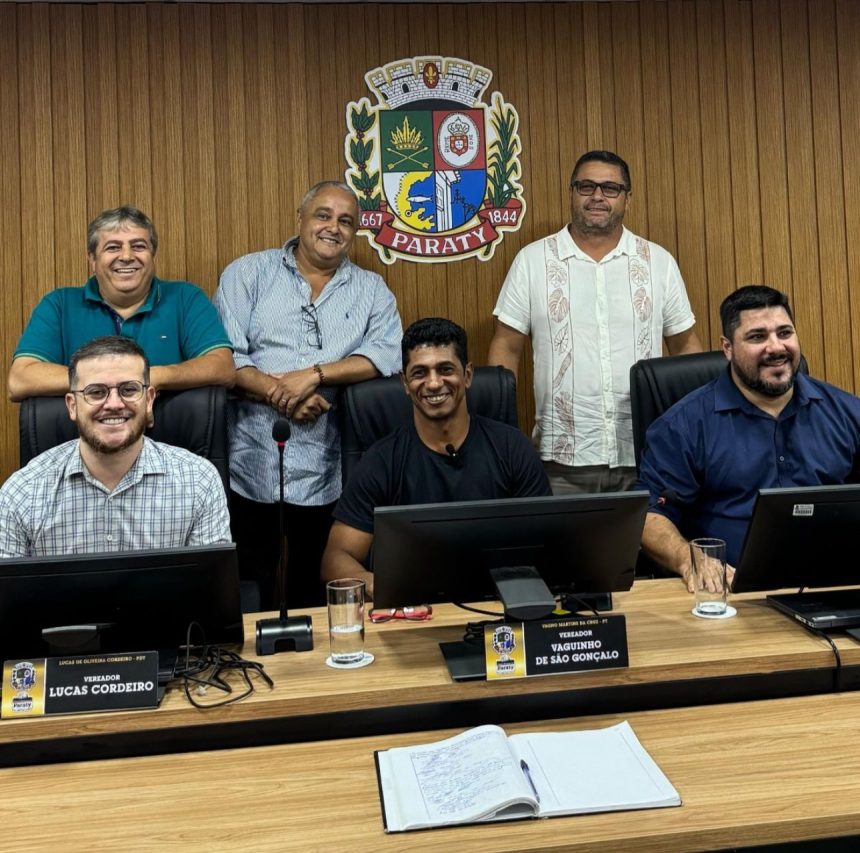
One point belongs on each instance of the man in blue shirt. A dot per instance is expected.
(304, 321)
(760, 425)
(173, 321)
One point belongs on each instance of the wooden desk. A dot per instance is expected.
(749, 773)
(675, 659)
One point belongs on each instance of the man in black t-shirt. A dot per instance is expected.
(446, 454)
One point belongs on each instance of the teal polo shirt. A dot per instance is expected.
(176, 323)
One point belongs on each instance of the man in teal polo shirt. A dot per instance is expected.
(173, 321)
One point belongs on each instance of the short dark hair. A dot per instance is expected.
(602, 156)
(434, 332)
(749, 298)
(113, 219)
(107, 345)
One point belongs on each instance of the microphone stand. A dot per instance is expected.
(284, 634)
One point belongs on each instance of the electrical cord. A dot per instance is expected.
(213, 667)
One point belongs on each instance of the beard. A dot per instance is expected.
(92, 439)
(768, 388)
(587, 226)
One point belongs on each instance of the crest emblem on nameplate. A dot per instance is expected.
(435, 168)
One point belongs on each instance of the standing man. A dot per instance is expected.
(445, 454)
(173, 321)
(304, 320)
(595, 299)
(112, 489)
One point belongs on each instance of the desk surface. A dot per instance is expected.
(675, 659)
(748, 773)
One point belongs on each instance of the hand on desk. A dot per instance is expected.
(712, 578)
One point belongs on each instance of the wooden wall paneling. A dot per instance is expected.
(37, 185)
(743, 142)
(198, 135)
(166, 127)
(483, 42)
(232, 186)
(11, 277)
(571, 106)
(655, 187)
(848, 58)
(132, 86)
(297, 131)
(716, 163)
(829, 199)
(267, 120)
(771, 142)
(69, 154)
(687, 146)
(597, 92)
(800, 173)
(102, 120)
(536, 128)
(516, 88)
(629, 120)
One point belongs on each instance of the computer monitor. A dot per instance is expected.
(120, 601)
(799, 537)
(428, 553)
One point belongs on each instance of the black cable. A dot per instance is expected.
(212, 666)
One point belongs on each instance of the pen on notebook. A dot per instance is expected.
(528, 774)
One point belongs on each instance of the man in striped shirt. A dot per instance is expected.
(303, 321)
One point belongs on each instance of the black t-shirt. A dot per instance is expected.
(495, 461)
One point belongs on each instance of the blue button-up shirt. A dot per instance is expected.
(260, 300)
(706, 458)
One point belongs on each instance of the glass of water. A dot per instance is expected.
(708, 557)
(346, 620)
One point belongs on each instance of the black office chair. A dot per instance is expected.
(195, 419)
(656, 384)
(373, 409)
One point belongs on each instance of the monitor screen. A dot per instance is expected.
(130, 601)
(799, 537)
(442, 552)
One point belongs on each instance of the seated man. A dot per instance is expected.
(173, 321)
(446, 454)
(112, 489)
(760, 425)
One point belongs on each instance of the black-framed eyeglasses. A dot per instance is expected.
(313, 335)
(609, 188)
(411, 614)
(129, 391)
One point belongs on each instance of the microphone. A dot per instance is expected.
(453, 456)
(283, 634)
(281, 433)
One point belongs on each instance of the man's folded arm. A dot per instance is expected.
(32, 377)
(345, 554)
(212, 368)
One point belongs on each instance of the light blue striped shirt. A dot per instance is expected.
(260, 299)
(169, 498)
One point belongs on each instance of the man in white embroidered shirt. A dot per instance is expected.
(594, 298)
(112, 489)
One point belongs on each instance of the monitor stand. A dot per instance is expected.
(466, 660)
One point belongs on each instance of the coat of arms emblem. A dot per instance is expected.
(435, 168)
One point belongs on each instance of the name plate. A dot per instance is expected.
(555, 646)
(76, 685)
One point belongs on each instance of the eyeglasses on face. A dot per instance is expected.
(609, 188)
(312, 326)
(412, 614)
(129, 391)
